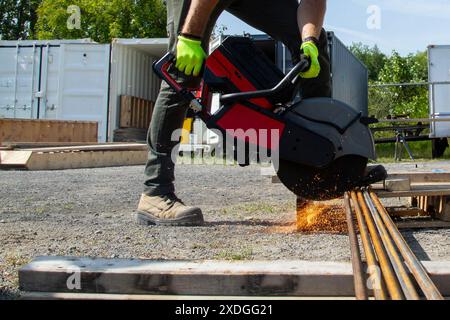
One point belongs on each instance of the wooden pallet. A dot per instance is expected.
(135, 112)
(207, 278)
(74, 157)
(22, 130)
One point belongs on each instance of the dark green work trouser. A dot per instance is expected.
(276, 18)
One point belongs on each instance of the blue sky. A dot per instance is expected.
(404, 25)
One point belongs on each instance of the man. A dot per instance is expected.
(189, 24)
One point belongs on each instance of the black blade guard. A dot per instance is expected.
(321, 184)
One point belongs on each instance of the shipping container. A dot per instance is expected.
(60, 80)
(439, 78)
(131, 72)
(76, 79)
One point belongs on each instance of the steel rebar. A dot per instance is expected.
(378, 285)
(360, 287)
(392, 284)
(397, 263)
(415, 266)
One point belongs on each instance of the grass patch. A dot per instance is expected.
(243, 254)
(69, 206)
(262, 208)
(15, 262)
(41, 210)
(421, 151)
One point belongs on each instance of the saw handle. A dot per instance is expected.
(289, 80)
(161, 68)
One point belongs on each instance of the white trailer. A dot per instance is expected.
(439, 78)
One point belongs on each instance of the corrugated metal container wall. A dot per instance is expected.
(439, 71)
(132, 74)
(349, 75)
(62, 80)
(19, 77)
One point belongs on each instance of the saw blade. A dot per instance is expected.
(320, 184)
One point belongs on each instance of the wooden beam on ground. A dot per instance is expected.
(206, 278)
(36, 145)
(427, 224)
(29, 160)
(422, 177)
(403, 212)
(210, 278)
(145, 297)
(95, 147)
(14, 159)
(417, 191)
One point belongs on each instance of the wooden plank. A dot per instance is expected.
(406, 212)
(14, 159)
(145, 297)
(427, 224)
(125, 111)
(141, 113)
(422, 177)
(35, 145)
(417, 191)
(85, 159)
(24, 130)
(135, 112)
(274, 278)
(397, 184)
(96, 147)
(203, 278)
(442, 208)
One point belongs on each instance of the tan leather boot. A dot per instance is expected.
(167, 210)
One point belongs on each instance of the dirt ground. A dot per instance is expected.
(90, 212)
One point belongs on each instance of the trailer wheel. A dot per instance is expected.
(438, 147)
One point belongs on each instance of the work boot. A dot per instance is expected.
(167, 210)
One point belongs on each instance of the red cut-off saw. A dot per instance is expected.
(323, 144)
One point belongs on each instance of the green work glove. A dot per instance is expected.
(190, 56)
(310, 50)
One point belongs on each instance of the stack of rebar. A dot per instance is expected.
(394, 272)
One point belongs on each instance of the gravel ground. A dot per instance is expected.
(90, 212)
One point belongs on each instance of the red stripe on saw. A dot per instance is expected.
(222, 67)
(248, 125)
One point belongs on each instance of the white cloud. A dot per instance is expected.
(355, 34)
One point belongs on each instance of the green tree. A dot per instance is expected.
(103, 20)
(406, 100)
(18, 19)
(372, 57)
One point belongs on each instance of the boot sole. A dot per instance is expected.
(189, 221)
